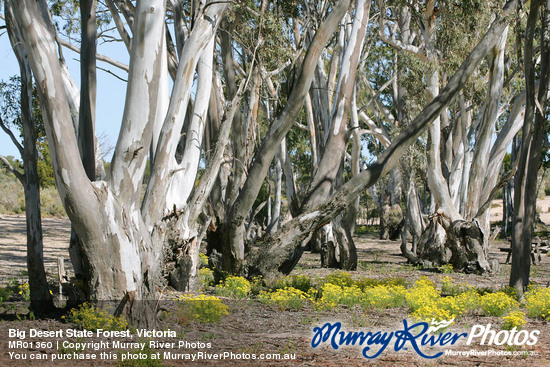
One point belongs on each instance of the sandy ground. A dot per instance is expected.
(57, 233)
(252, 327)
(13, 259)
(543, 208)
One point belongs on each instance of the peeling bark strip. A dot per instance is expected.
(290, 240)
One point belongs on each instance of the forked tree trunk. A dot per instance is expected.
(329, 173)
(282, 250)
(234, 237)
(123, 264)
(452, 239)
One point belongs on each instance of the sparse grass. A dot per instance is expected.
(12, 198)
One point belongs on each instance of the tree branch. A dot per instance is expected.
(288, 243)
(103, 58)
(12, 137)
(10, 168)
(394, 42)
(507, 177)
(119, 24)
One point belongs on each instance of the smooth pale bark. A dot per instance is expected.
(154, 202)
(234, 253)
(459, 142)
(501, 144)
(182, 181)
(123, 264)
(485, 131)
(333, 153)
(41, 299)
(312, 134)
(287, 245)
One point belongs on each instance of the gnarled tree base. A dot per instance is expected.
(461, 244)
(338, 248)
(180, 254)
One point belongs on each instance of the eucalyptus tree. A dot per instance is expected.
(122, 260)
(334, 131)
(463, 157)
(277, 250)
(122, 237)
(22, 109)
(125, 239)
(533, 135)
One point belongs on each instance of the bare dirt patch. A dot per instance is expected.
(254, 328)
(13, 258)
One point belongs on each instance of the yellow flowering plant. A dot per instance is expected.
(537, 302)
(200, 308)
(234, 287)
(434, 309)
(384, 296)
(422, 293)
(514, 319)
(285, 298)
(497, 304)
(92, 318)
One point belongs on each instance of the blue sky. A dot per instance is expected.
(111, 92)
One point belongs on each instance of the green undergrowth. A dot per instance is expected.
(423, 300)
(90, 317)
